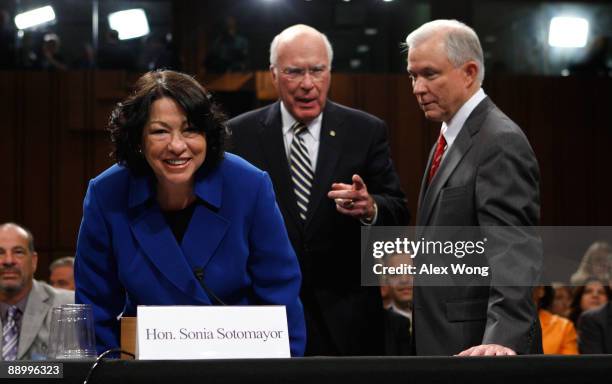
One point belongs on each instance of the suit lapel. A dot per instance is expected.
(330, 143)
(424, 185)
(332, 135)
(461, 145)
(32, 320)
(273, 147)
(158, 242)
(206, 228)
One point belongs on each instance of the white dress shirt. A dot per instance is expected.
(452, 129)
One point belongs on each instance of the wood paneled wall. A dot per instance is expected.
(54, 141)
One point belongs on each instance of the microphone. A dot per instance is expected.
(199, 275)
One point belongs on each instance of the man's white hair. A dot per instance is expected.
(461, 42)
(295, 30)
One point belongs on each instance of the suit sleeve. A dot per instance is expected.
(507, 208)
(383, 182)
(95, 271)
(591, 334)
(273, 265)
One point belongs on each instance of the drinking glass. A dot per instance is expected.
(76, 338)
(54, 339)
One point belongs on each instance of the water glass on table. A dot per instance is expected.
(72, 333)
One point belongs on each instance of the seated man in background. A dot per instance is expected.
(399, 287)
(62, 273)
(398, 313)
(25, 304)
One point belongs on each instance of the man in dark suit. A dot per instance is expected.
(332, 173)
(595, 330)
(482, 178)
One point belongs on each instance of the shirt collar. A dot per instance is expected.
(400, 311)
(451, 129)
(313, 128)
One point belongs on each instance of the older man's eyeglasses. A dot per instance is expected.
(297, 74)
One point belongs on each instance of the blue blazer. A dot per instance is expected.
(128, 256)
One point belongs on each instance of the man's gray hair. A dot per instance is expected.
(294, 30)
(67, 261)
(461, 42)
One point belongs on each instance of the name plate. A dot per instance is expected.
(211, 332)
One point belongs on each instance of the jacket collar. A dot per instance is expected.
(177, 261)
(208, 186)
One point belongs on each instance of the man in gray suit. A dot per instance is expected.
(482, 174)
(25, 304)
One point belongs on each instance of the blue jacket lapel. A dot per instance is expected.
(207, 228)
(159, 245)
(204, 233)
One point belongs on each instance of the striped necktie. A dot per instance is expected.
(301, 170)
(10, 334)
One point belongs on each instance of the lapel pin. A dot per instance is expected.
(332, 133)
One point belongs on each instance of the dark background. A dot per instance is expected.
(52, 123)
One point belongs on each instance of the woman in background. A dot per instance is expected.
(596, 263)
(593, 294)
(562, 300)
(177, 221)
(558, 333)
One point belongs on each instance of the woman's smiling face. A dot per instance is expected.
(174, 149)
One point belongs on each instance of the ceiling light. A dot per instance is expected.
(130, 23)
(568, 32)
(34, 17)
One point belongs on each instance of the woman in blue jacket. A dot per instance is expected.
(177, 221)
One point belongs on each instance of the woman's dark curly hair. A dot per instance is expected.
(129, 117)
(546, 300)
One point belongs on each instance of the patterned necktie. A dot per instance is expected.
(435, 164)
(301, 170)
(10, 334)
